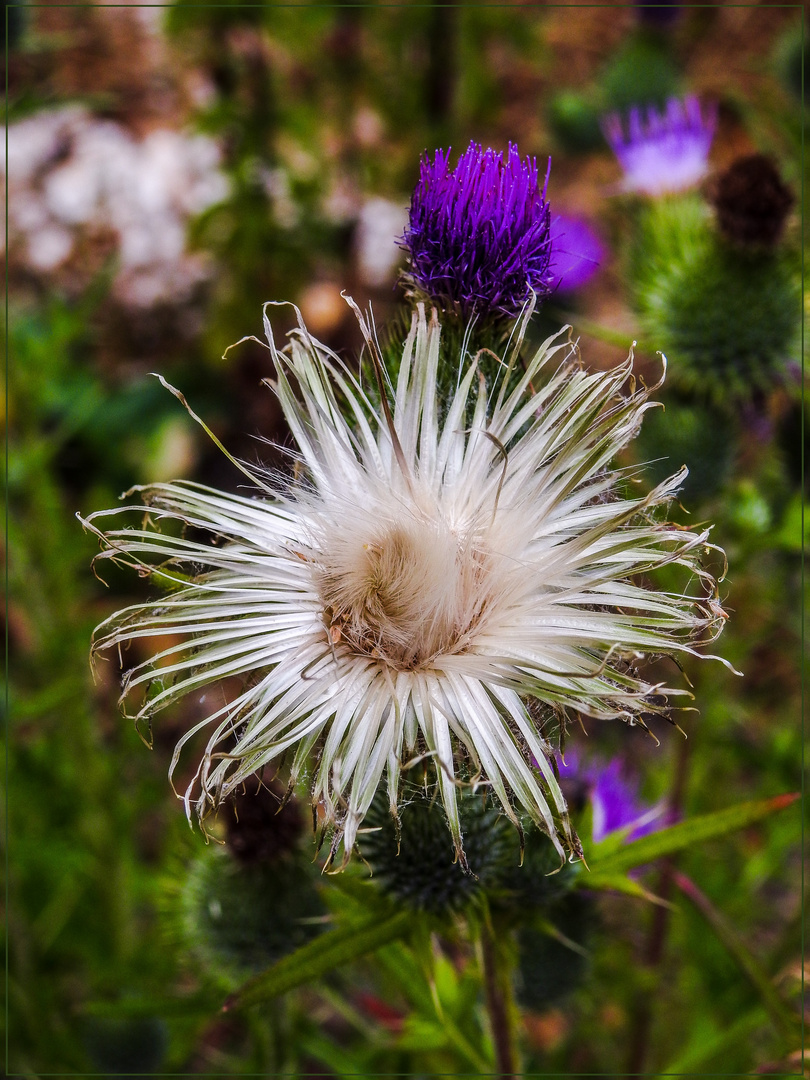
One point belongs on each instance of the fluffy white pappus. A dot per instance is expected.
(436, 581)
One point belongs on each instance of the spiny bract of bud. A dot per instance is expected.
(239, 918)
(728, 320)
(412, 859)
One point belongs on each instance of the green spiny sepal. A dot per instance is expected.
(535, 884)
(241, 906)
(418, 867)
(667, 233)
(484, 338)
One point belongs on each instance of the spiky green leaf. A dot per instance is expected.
(604, 870)
(315, 959)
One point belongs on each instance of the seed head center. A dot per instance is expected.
(404, 594)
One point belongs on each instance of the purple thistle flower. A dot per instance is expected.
(669, 152)
(615, 804)
(576, 252)
(613, 797)
(479, 237)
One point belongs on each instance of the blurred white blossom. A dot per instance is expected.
(72, 175)
(380, 224)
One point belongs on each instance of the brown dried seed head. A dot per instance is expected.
(752, 202)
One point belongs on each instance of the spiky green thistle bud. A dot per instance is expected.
(522, 889)
(241, 907)
(419, 868)
(417, 865)
(240, 918)
(727, 320)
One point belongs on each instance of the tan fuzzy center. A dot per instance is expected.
(407, 594)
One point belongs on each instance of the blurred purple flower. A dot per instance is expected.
(669, 152)
(614, 799)
(479, 237)
(616, 804)
(576, 252)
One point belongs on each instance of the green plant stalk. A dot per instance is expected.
(462, 1045)
(785, 1021)
(497, 992)
(423, 949)
(316, 958)
(659, 925)
(329, 1054)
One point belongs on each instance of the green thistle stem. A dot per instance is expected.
(657, 935)
(498, 994)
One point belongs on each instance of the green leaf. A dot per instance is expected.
(423, 1033)
(677, 837)
(313, 960)
(339, 1061)
(784, 1019)
(422, 981)
(401, 964)
(438, 1033)
(620, 883)
(704, 1047)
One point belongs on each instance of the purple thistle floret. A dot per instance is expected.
(614, 799)
(479, 237)
(576, 252)
(667, 153)
(616, 805)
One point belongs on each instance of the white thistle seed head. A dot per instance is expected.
(438, 582)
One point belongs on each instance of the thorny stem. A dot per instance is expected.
(497, 993)
(656, 938)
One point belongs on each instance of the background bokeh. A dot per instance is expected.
(170, 169)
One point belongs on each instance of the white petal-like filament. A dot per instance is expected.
(426, 578)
